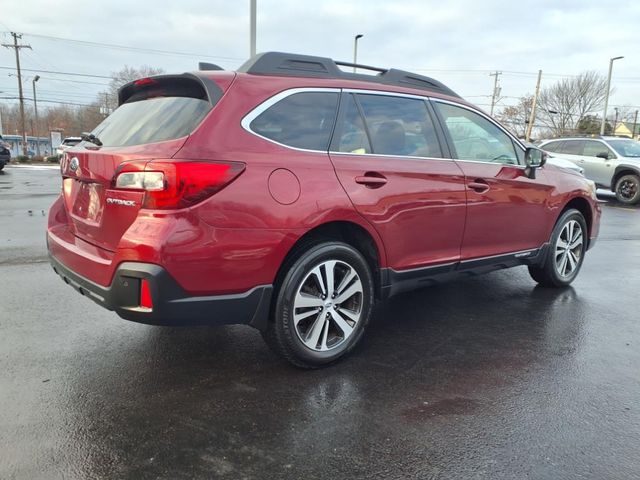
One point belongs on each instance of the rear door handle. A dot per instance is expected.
(371, 180)
(478, 185)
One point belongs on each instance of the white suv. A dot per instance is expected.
(611, 162)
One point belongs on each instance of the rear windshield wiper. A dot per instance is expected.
(90, 137)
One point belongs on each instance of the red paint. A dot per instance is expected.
(237, 238)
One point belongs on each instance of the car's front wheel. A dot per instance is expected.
(322, 305)
(565, 254)
(628, 189)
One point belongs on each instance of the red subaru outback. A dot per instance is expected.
(291, 195)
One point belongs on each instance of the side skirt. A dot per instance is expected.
(394, 282)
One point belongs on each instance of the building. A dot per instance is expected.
(626, 129)
(15, 145)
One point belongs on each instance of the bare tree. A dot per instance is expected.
(516, 117)
(562, 105)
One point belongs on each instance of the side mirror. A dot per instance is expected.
(604, 155)
(534, 158)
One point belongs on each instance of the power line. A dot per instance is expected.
(128, 48)
(60, 73)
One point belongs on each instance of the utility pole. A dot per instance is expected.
(35, 107)
(496, 90)
(252, 35)
(17, 48)
(633, 134)
(615, 122)
(532, 118)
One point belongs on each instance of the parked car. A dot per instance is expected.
(290, 196)
(557, 161)
(67, 143)
(611, 162)
(5, 153)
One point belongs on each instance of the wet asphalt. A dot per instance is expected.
(485, 378)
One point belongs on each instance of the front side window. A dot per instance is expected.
(301, 120)
(399, 126)
(476, 138)
(593, 148)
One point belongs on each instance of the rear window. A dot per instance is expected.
(152, 120)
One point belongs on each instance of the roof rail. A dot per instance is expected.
(295, 65)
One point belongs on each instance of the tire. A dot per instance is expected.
(628, 189)
(562, 262)
(310, 326)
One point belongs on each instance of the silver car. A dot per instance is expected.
(611, 162)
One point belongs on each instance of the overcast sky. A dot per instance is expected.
(458, 42)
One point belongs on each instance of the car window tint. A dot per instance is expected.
(593, 148)
(302, 120)
(553, 147)
(476, 138)
(399, 126)
(573, 147)
(353, 136)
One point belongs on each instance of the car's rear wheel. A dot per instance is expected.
(628, 189)
(565, 254)
(322, 305)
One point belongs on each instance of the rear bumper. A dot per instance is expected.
(171, 304)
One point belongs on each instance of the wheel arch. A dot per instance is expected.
(348, 232)
(622, 170)
(584, 207)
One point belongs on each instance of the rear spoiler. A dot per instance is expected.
(184, 85)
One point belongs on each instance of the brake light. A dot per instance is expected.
(144, 81)
(176, 184)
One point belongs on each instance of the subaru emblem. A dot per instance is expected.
(74, 164)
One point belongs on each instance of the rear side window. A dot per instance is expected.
(553, 147)
(573, 147)
(302, 120)
(399, 126)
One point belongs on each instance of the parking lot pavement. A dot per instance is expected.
(490, 377)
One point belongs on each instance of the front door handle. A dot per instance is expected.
(371, 180)
(478, 185)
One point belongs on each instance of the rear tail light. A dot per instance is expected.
(170, 185)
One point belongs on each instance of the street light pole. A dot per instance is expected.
(355, 49)
(35, 107)
(252, 35)
(606, 98)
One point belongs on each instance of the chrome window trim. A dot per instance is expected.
(398, 157)
(261, 108)
(489, 119)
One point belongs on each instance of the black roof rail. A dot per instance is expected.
(295, 65)
(209, 66)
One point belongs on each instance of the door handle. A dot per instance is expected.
(478, 185)
(371, 180)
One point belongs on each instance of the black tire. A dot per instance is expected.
(628, 189)
(548, 273)
(285, 337)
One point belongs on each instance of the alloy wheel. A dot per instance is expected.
(328, 305)
(568, 249)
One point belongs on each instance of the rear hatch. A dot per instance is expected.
(154, 119)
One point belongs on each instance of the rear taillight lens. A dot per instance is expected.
(179, 184)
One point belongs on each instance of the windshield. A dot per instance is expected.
(626, 148)
(152, 120)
